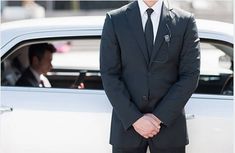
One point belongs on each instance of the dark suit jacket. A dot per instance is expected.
(135, 85)
(27, 79)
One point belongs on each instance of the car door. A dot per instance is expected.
(210, 124)
(59, 119)
(3, 112)
(54, 120)
(210, 110)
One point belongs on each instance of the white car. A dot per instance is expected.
(62, 119)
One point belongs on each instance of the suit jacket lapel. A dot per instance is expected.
(31, 78)
(135, 23)
(162, 31)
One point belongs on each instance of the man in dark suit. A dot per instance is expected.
(40, 57)
(150, 64)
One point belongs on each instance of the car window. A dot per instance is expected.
(76, 65)
(216, 68)
(214, 60)
(81, 54)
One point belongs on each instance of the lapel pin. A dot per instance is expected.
(167, 39)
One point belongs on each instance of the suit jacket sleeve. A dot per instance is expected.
(111, 73)
(188, 72)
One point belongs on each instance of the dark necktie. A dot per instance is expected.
(149, 32)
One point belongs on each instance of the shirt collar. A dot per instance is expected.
(156, 7)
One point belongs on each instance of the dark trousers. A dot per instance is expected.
(152, 150)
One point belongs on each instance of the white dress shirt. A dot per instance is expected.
(155, 16)
(40, 78)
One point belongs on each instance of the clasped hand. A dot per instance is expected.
(147, 126)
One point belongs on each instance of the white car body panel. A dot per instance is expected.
(71, 120)
(81, 118)
(63, 125)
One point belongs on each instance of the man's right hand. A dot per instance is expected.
(146, 126)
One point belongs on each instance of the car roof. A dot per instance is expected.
(220, 30)
(13, 30)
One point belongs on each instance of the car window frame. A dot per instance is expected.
(31, 41)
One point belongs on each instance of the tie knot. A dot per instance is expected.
(149, 11)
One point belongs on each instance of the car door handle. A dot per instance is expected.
(190, 116)
(4, 109)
